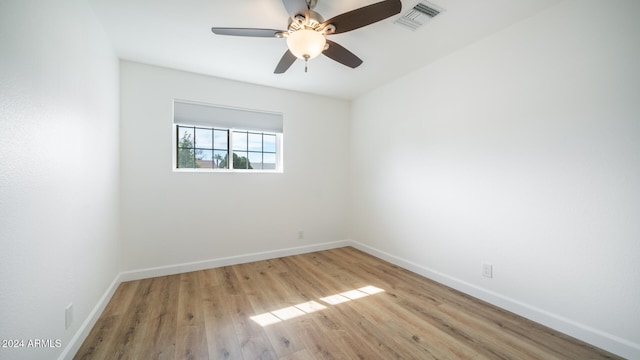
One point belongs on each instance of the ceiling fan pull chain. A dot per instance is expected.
(306, 62)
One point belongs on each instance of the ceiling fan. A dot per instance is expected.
(307, 30)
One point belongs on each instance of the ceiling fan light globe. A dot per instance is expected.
(306, 44)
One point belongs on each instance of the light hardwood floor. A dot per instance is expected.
(335, 304)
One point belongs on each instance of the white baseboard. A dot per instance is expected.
(590, 335)
(609, 342)
(76, 341)
(226, 261)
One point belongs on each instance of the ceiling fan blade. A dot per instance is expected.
(364, 16)
(247, 32)
(338, 53)
(295, 7)
(285, 62)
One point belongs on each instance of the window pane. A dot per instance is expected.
(255, 142)
(185, 137)
(269, 161)
(269, 143)
(204, 158)
(255, 159)
(204, 138)
(239, 140)
(200, 147)
(220, 159)
(240, 160)
(220, 139)
(186, 158)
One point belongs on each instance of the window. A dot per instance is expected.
(207, 137)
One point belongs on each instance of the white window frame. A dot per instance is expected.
(251, 128)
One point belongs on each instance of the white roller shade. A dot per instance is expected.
(195, 114)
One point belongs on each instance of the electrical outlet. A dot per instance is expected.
(68, 316)
(487, 270)
(300, 234)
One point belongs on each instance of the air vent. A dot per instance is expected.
(419, 15)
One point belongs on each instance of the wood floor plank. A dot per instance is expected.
(300, 355)
(335, 304)
(368, 331)
(210, 278)
(157, 320)
(319, 342)
(254, 343)
(160, 330)
(267, 291)
(101, 339)
(131, 341)
(419, 332)
(191, 341)
(222, 341)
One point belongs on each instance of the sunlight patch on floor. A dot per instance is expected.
(309, 307)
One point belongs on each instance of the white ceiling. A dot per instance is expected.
(177, 34)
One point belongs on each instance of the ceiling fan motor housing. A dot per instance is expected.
(312, 21)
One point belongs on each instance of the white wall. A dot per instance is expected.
(171, 218)
(522, 150)
(58, 171)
